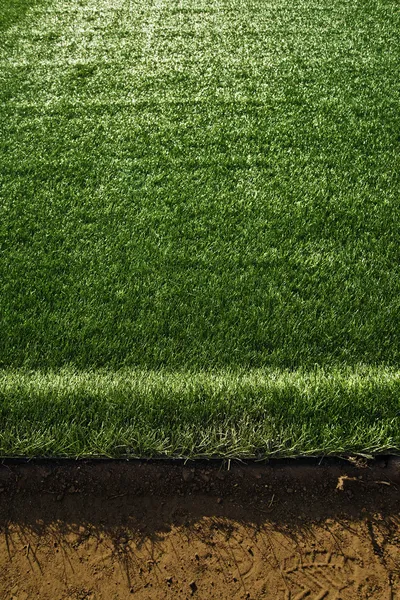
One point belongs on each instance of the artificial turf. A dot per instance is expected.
(199, 215)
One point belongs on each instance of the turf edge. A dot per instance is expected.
(261, 413)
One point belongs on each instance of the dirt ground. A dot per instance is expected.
(284, 531)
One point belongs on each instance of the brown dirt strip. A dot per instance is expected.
(115, 530)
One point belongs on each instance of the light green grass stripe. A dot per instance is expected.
(259, 413)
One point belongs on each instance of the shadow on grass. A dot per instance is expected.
(14, 11)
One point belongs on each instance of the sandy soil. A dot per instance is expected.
(116, 530)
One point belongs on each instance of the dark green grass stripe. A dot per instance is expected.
(13, 11)
(260, 413)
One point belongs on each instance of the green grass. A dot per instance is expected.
(202, 414)
(12, 11)
(199, 216)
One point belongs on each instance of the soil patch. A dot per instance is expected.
(114, 530)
